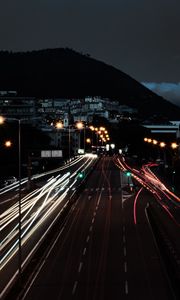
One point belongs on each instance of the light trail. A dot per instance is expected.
(152, 183)
(14, 185)
(37, 208)
(135, 203)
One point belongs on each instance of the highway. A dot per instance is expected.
(102, 251)
(39, 210)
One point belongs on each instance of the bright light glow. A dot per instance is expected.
(155, 142)
(174, 145)
(162, 144)
(149, 140)
(88, 140)
(80, 151)
(145, 139)
(107, 147)
(8, 144)
(91, 155)
(112, 146)
(59, 125)
(79, 125)
(2, 119)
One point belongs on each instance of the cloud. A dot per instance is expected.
(168, 90)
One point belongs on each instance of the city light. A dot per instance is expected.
(162, 144)
(79, 125)
(80, 175)
(174, 145)
(88, 140)
(8, 144)
(59, 125)
(2, 119)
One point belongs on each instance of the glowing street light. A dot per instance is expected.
(59, 125)
(174, 145)
(162, 144)
(79, 125)
(2, 120)
(8, 144)
(155, 142)
(88, 140)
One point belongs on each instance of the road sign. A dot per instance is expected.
(51, 153)
(46, 153)
(56, 153)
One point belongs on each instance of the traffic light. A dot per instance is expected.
(128, 174)
(81, 175)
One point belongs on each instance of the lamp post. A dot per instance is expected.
(60, 125)
(80, 126)
(19, 206)
(2, 120)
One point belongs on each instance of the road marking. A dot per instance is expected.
(90, 229)
(124, 239)
(126, 287)
(87, 240)
(124, 249)
(94, 213)
(80, 267)
(125, 267)
(84, 251)
(74, 287)
(92, 221)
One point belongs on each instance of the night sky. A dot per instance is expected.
(139, 37)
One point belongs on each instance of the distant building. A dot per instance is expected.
(163, 129)
(18, 107)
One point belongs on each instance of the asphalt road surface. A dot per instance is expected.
(100, 253)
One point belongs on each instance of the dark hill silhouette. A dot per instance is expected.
(66, 73)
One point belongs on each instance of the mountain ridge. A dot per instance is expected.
(63, 72)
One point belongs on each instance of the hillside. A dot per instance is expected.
(66, 73)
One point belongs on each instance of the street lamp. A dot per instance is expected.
(80, 125)
(8, 144)
(2, 120)
(174, 145)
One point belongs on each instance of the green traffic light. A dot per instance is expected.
(80, 175)
(128, 174)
